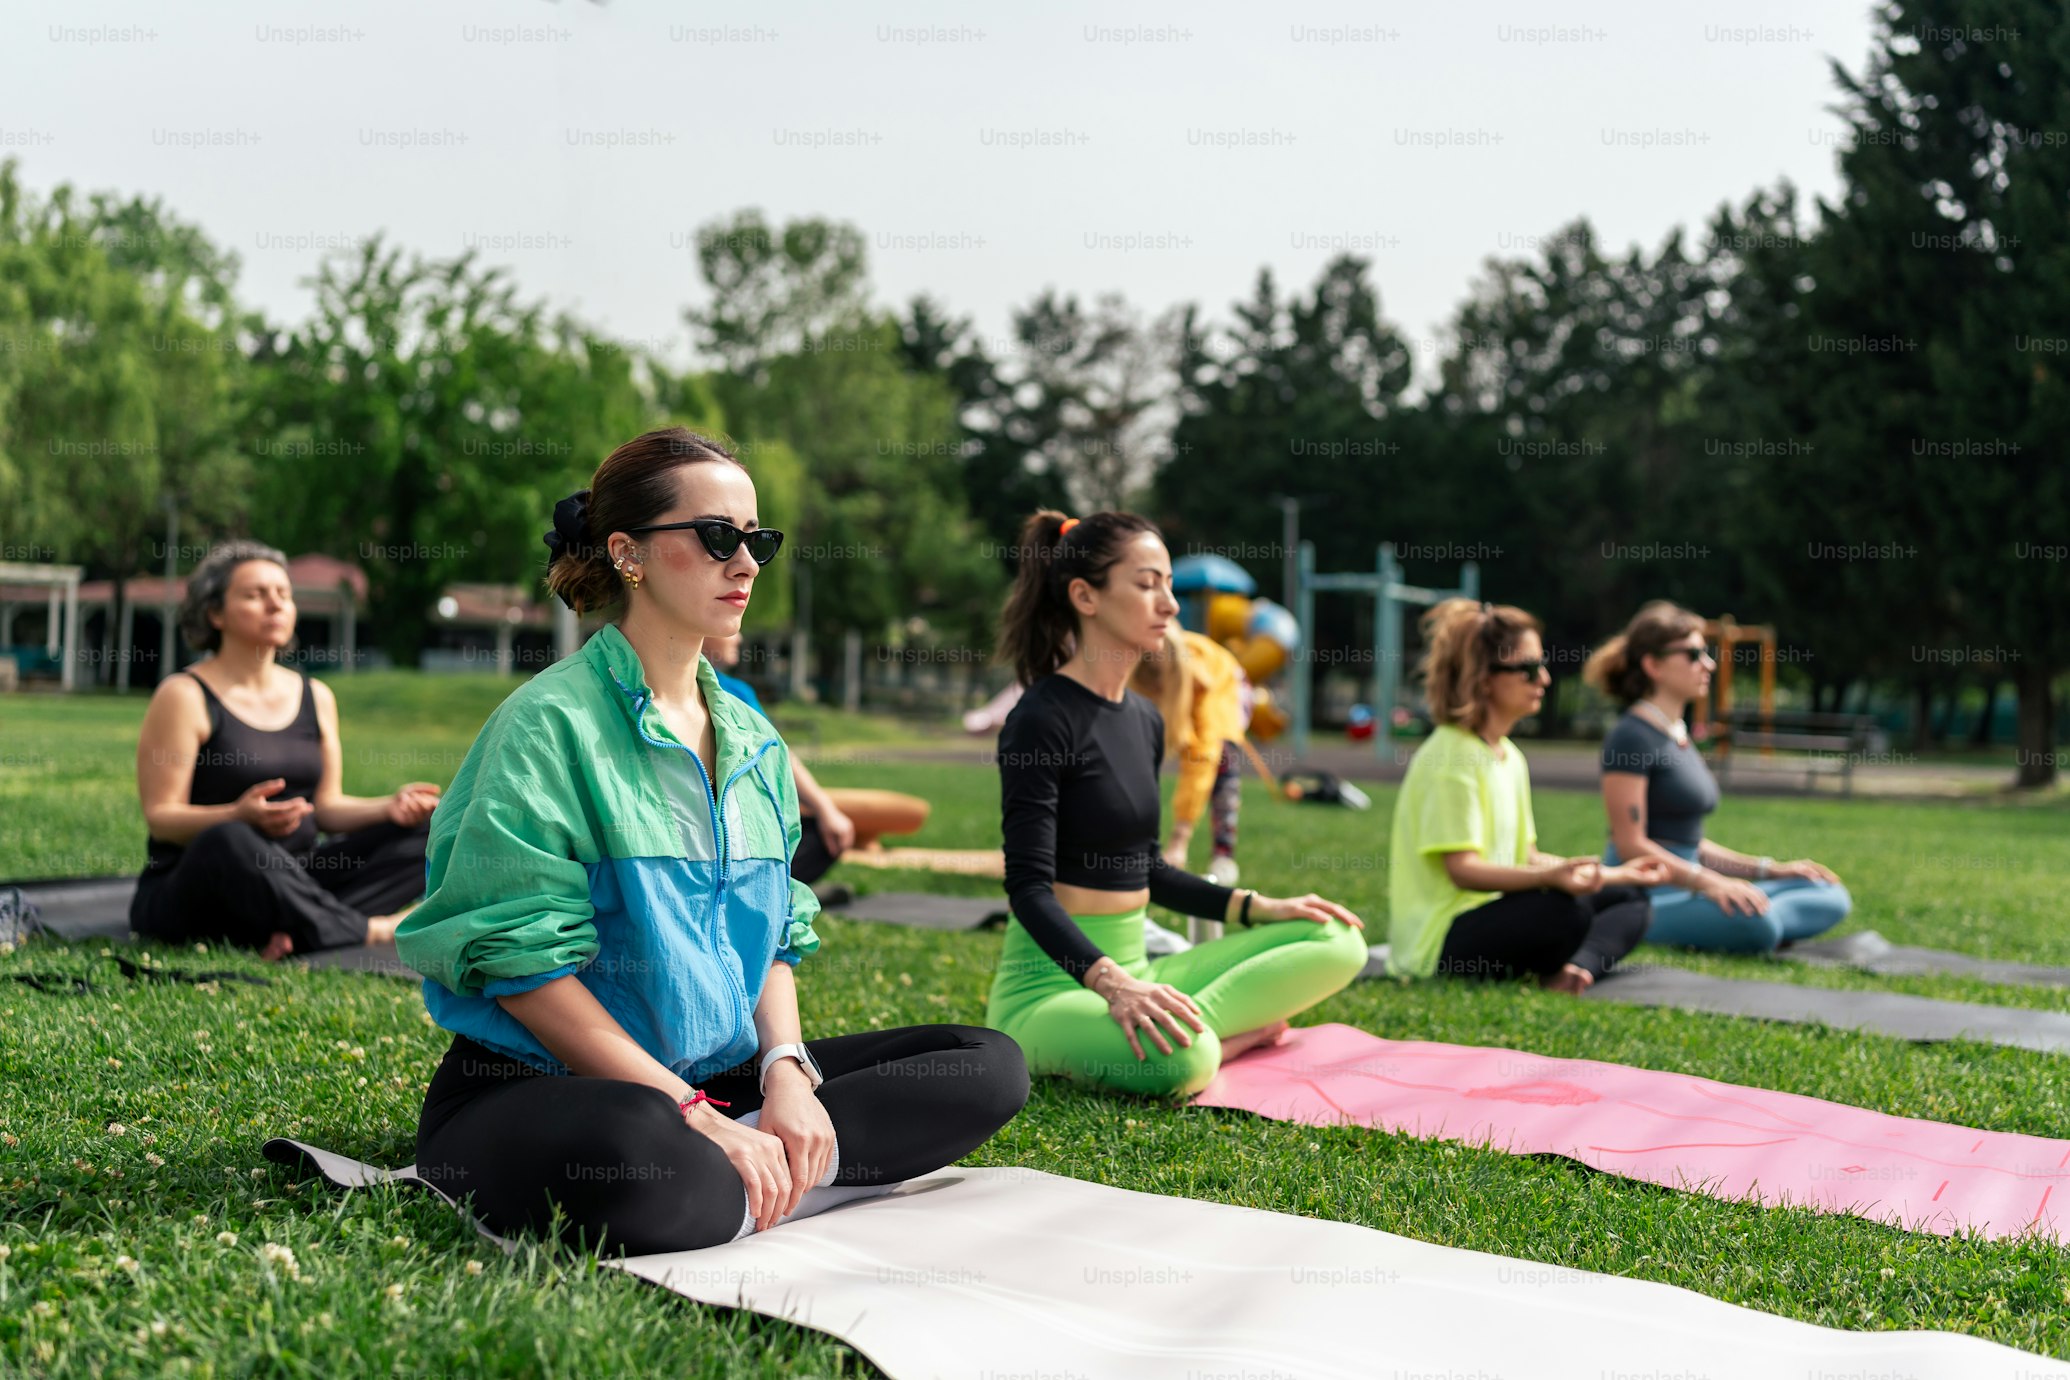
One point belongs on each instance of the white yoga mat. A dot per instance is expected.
(1020, 1273)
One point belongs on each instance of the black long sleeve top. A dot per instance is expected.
(1079, 805)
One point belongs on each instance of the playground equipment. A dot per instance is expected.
(1726, 635)
(1216, 597)
(1819, 743)
(1384, 583)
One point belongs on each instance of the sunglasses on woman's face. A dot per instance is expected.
(1527, 669)
(722, 538)
(1693, 653)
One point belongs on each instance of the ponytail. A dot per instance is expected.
(1462, 640)
(1618, 667)
(1038, 629)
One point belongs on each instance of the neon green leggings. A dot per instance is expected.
(1245, 980)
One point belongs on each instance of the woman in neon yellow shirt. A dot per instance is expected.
(1472, 895)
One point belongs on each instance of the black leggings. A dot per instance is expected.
(632, 1177)
(813, 857)
(1541, 931)
(233, 883)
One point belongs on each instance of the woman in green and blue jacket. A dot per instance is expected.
(610, 927)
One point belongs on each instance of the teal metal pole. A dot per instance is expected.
(1304, 611)
(1387, 655)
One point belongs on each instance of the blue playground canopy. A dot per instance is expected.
(1192, 574)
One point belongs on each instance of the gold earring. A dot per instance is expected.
(632, 579)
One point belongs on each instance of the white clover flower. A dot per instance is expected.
(474, 1267)
(154, 1159)
(124, 1262)
(279, 1256)
(116, 1128)
(226, 1238)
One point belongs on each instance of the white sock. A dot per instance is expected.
(818, 1198)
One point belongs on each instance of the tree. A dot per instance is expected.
(118, 395)
(1302, 397)
(999, 485)
(881, 536)
(1087, 398)
(1945, 268)
(1587, 367)
(429, 412)
(776, 292)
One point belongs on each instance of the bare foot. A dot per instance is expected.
(278, 947)
(381, 928)
(1251, 1039)
(1570, 979)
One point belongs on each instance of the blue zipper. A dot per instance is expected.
(712, 801)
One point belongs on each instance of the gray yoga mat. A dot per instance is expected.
(1872, 953)
(924, 911)
(83, 908)
(1877, 1013)
(367, 958)
(1014, 1272)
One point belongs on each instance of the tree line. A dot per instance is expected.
(1843, 418)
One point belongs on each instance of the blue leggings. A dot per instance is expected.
(1797, 909)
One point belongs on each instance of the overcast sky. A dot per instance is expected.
(1165, 151)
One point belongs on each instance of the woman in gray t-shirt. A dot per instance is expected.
(1657, 790)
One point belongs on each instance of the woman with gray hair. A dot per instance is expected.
(239, 766)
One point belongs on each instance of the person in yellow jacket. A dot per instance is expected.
(1200, 689)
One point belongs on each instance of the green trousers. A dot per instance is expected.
(1245, 980)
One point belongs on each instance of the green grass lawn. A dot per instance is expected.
(116, 1260)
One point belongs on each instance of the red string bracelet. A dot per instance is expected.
(698, 1095)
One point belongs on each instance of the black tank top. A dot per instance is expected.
(235, 757)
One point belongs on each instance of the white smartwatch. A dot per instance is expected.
(798, 1052)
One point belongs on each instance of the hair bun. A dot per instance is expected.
(569, 535)
(570, 531)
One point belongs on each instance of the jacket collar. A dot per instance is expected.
(739, 736)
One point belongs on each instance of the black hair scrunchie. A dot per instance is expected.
(570, 532)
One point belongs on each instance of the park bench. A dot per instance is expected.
(1817, 744)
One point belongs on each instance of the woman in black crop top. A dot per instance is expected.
(1078, 764)
(234, 807)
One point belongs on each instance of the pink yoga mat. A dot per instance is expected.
(1666, 1128)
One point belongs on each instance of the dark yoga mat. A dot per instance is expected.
(367, 958)
(924, 911)
(98, 908)
(1872, 953)
(1876, 1013)
(81, 908)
